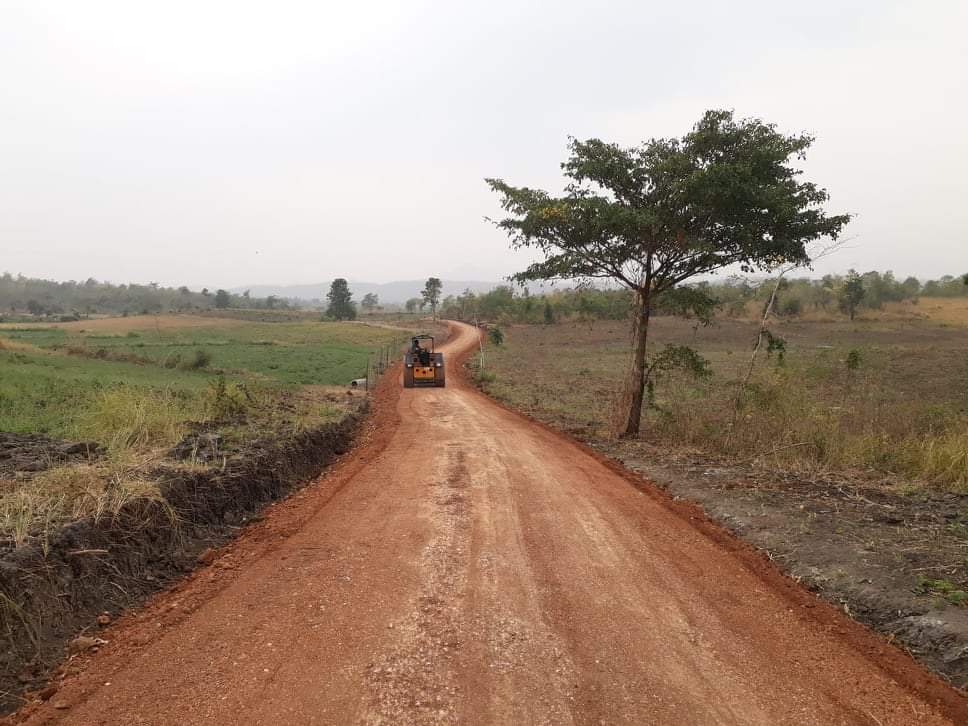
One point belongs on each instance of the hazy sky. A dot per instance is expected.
(227, 143)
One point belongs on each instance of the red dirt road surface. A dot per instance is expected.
(467, 565)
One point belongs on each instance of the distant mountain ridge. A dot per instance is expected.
(397, 292)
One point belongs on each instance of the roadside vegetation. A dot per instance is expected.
(134, 388)
(886, 398)
(846, 462)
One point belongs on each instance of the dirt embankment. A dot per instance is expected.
(24, 454)
(51, 590)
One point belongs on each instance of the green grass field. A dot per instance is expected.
(52, 377)
(137, 386)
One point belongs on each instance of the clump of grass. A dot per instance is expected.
(222, 403)
(127, 417)
(105, 354)
(942, 459)
(64, 494)
(199, 360)
(313, 417)
(945, 589)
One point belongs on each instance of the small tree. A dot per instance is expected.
(431, 294)
(653, 216)
(851, 294)
(549, 313)
(411, 305)
(271, 302)
(340, 298)
(370, 302)
(222, 299)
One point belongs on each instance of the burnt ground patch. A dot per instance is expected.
(25, 454)
(55, 587)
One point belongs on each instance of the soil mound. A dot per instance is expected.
(25, 454)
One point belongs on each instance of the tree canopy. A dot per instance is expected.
(340, 298)
(431, 293)
(370, 302)
(851, 294)
(655, 215)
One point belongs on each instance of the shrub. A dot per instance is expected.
(222, 403)
(853, 359)
(791, 307)
(201, 359)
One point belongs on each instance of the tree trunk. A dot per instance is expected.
(632, 425)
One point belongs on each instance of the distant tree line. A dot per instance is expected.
(733, 297)
(847, 294)
(24, 296)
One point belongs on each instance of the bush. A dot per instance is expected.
(222, 403)
(854, 359)
(791, 307)
(201, 359)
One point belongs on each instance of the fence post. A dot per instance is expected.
(480, 340)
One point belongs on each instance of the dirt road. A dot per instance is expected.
(466, 565)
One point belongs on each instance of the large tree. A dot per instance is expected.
(655, 215)
(340, 298)
(431, 293)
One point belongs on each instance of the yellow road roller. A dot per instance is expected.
(422, 366)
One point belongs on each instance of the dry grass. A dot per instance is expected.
(126, 418)
(902, 414)
(945, 310)
(37, 506)
(948, 311)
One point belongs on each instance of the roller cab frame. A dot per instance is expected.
(422, 366)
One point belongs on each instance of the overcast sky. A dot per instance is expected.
(227, 143)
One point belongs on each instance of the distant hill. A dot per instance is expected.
(397, 292)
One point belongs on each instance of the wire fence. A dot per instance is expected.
(382, 359)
